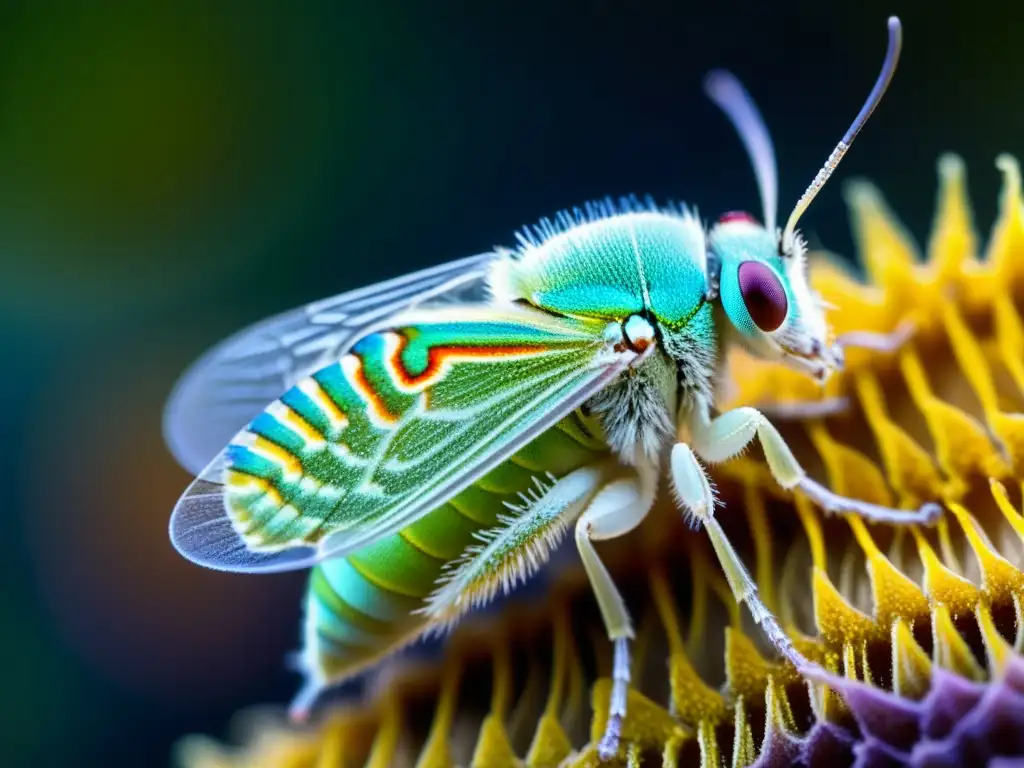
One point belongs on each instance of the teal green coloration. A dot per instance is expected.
(332, 381)
(401, 426)
(371, 353)
(358, 454)
(309, 411)
(639, 262)
(731, 246)
(439, 433)
(628, 260)
(270, 428)
(363, 595)
(644, 259)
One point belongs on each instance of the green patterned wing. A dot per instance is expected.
(233, 382)
(409, 417)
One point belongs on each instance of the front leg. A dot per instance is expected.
(695, 495)
(718, 439)
(886, 343)
(803, 410)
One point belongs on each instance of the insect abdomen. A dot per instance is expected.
(364, 606)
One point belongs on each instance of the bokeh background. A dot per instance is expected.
(171, 171)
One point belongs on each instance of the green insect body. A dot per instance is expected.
(363, 606)
(595, 267)
(439, 433)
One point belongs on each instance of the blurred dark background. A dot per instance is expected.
(171, 171)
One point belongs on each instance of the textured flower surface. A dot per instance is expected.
(923, 629)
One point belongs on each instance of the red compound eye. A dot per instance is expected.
(728, 216)
(763, 295)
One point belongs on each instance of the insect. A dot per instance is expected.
(423, 443)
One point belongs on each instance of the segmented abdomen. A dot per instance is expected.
(361, 607)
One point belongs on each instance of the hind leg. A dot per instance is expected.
(616, 510)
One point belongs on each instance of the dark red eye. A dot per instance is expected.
(728, 216)
(763, 295)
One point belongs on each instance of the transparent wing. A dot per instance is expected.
(229, 385)
(409, 417)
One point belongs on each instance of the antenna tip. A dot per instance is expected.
(895, 44)
(718, 80)
(895, 28)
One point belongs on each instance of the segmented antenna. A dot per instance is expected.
(728, 93)
(892, 56)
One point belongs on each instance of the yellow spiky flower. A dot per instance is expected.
(924, 629)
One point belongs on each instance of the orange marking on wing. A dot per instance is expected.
(439, 356)
(277, 453)
(242, 483)
(294, 421)
(326, 403)
(374, 402)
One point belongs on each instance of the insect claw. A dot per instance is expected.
(302, 705)
(833, 503)
(609, 745)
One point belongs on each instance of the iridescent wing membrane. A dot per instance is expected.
(411, 415)
(229, 386)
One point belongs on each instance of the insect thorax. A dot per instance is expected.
(616, 262)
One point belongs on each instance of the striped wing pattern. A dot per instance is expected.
(232, 383)
(368, 444)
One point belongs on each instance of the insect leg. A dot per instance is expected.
(804, 409)
(723, 437)
(879, 342)
(616, 510)
(886, 343)
(508, 554)
(696, 497)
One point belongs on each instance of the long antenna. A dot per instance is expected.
(892, 56)
(732, 98)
